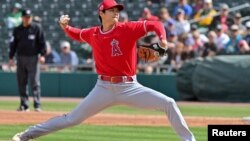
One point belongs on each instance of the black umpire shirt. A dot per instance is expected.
(27, 41)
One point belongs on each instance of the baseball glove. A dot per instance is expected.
(151, 53)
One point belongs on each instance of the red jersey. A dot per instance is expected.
(114, 51)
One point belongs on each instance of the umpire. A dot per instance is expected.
(29, 45)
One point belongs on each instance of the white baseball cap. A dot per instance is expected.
(224, 6)
(65, 44)
(181, 11)
(234, 27)
(248, 24)
(208, 1)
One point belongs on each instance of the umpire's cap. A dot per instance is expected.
(108, 4)
(27, 13)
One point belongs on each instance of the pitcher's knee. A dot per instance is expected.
(71, 121)
(169, 103)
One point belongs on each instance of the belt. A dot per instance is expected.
(116, 79)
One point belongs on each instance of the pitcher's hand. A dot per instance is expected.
(64, 21)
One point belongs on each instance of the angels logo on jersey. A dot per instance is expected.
(116, 51)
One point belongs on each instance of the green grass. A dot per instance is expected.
(48, 106)
(187, 110)
(216, 111)
(107, 133)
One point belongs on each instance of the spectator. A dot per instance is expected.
(170, 28)
(87, 54)
(172, 42)
(182, 26)
(187, 53)
(147, 15)
(37, 20)
(207, 12)
(173, 38)
(233, 45)
(224, 20)
(189, 40)
(123, 17)
(244, 47)
(68, 57)
(51, 57)
(183, 4)
(178, 57)
(247, 37)
(237, 21)
(193, 27)
(14, 18)
(164, 17)
(29, 44)
(222, 39)
(197, 5)
(210, 47)
(196, 47)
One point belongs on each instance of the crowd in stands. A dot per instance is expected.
(197, 30)
(194, 29)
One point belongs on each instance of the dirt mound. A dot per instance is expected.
(13, 117)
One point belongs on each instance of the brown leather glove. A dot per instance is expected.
(151, 53)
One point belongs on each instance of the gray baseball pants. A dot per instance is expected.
(106, 94)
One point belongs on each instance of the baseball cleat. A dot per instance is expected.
(22, 109)
(17, 137)
(38, 109)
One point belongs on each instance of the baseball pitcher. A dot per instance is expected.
(114, 51)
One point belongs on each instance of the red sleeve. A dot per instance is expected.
(157, 27)
(136, 29)
(80, 35)
(140, 28)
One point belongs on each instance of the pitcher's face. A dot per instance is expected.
(110, 15)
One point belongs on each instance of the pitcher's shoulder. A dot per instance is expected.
(129, 24)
